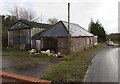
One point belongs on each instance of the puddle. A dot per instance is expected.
(6, 62)
(35, 68)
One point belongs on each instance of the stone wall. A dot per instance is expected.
(63, 45)
(81, 43)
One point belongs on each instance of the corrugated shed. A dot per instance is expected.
(60, 29)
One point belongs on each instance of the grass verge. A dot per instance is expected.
(18, 52)
(10, 49)
(17, 55)
(73, 69)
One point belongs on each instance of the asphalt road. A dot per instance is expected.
(104, 67)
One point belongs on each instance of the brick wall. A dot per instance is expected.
(14, 78)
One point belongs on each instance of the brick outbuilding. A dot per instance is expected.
(56, 37)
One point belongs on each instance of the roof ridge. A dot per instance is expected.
(70, 22)
(25, 21)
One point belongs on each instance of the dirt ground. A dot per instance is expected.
(27, 66)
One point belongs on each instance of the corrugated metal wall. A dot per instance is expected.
(20, 38)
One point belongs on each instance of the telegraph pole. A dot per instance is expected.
(69, 37)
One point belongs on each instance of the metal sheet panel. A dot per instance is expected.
(76, 30)
(19, 40)
(57, 30)
(61, 30)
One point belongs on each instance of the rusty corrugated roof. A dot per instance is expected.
(60, 29)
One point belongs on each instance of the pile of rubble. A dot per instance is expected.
(47, 52)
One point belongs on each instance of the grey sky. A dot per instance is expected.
(81, 11)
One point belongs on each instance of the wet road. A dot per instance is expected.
(104, 67)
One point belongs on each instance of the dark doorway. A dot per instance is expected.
(50, 43)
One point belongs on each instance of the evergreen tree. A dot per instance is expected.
(97, 29)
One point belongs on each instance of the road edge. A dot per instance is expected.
(88, 69)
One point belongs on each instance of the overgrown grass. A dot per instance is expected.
(10, 49)
(25, 53)
(73, 69)
(18, 55)
(18, 52)
(40, 55)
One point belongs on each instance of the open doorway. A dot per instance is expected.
(50, 43)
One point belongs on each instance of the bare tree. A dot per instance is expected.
(14, 12)
(23, 13)
(52, 20)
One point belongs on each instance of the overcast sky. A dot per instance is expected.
(81, 11)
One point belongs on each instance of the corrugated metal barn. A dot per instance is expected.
(56, 38)
(20, 34)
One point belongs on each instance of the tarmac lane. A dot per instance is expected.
(104, 67)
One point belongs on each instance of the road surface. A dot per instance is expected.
(104, 67)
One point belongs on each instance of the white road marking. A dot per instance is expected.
(88, 70)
